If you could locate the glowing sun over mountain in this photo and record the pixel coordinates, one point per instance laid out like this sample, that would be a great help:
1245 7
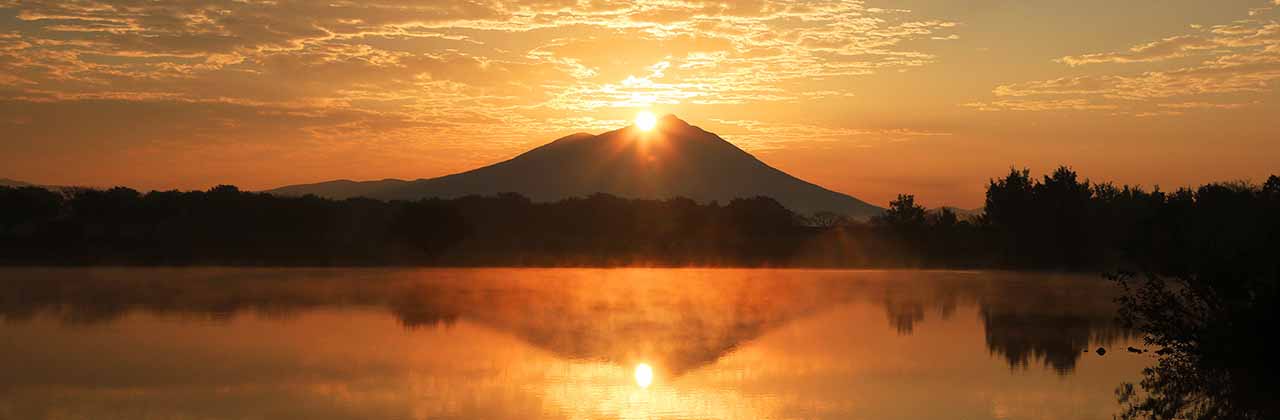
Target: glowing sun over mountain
645 121
691 163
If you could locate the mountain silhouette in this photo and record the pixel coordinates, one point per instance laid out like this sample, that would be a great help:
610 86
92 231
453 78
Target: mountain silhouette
6 182
673 160
962 214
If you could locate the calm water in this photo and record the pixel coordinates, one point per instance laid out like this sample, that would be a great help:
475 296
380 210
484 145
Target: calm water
571 343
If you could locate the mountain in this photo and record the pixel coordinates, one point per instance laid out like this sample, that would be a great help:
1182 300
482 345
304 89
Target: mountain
675 159
962 214
6 182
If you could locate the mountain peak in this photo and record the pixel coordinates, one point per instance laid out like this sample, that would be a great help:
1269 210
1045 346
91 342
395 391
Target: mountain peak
670 124
575 137
672 120
6 182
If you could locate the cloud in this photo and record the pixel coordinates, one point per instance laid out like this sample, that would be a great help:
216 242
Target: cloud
1251 74
1172 47
1087 85
759 135
512 62
1240 58
1039 105
1150 114
1203 105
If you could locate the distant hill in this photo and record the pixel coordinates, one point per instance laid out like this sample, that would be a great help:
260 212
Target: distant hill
342 188
676 159
962 214
6 182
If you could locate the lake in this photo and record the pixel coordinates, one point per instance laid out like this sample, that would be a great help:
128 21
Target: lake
223 343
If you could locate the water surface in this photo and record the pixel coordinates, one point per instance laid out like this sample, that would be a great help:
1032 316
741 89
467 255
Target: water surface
557 343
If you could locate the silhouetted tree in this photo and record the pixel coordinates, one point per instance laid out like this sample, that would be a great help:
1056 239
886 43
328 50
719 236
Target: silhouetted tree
1063 204
429 226
1208 293
28 205
1272 186
903 214
1009 200
944 219
1009 212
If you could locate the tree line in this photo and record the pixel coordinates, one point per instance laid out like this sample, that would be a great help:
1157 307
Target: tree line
225 225
1057 222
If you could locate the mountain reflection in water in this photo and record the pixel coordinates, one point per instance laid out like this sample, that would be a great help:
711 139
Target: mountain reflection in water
552 343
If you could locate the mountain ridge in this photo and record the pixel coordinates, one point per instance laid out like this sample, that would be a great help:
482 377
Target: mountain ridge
13 183
674 160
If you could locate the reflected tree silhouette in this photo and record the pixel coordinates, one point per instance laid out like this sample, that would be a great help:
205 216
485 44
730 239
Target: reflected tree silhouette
1214 359
1055 339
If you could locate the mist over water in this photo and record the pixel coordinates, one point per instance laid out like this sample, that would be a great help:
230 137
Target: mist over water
558 343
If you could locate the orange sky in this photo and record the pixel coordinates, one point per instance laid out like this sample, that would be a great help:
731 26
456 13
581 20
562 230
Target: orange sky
871 98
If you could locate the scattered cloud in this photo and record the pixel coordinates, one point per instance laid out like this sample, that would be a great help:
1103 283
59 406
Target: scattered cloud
768 135
518 64
1172 47
1039 105
1241 57
1203 105
1150 114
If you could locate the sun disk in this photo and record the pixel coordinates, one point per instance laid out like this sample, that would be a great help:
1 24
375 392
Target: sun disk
645 120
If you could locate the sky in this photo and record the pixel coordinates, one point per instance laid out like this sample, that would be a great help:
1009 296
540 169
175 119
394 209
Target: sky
869 98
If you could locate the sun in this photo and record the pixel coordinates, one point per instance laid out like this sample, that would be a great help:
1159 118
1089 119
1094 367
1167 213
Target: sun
644 375
645 120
